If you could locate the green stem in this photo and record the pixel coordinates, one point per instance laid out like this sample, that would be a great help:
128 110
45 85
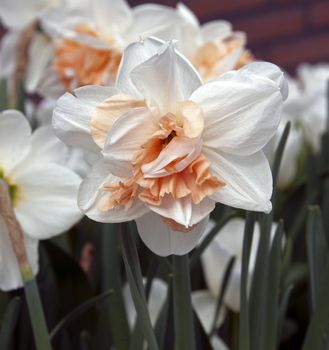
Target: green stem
183 312
111 279
38 321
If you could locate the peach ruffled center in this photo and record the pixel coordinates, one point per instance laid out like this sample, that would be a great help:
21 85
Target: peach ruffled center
169 163
209 55
78 64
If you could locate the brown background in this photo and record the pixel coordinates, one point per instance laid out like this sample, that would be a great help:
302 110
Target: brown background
285 32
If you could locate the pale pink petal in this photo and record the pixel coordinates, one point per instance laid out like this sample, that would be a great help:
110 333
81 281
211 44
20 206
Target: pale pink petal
128 133
91 194
162 240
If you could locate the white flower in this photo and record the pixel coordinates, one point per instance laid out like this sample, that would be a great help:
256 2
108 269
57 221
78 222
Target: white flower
315 81
86 46
228 243
171 146
213 48
42 191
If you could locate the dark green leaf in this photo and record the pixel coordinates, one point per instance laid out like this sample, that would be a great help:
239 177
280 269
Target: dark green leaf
9 322
135 280
244 327
183 311
77 312
317 251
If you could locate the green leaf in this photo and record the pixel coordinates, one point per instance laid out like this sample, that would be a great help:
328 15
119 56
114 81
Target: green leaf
244 326
183 311
283 310
3 94
209 237
37 317
318 330
257 301
278 155
272 292
78 311
9 322
111 279
317 251
135 280
224 284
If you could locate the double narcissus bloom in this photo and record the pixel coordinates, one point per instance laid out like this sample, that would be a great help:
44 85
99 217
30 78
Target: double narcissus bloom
170 146
42 190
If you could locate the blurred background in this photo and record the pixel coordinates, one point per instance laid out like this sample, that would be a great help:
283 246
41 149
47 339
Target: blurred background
285 32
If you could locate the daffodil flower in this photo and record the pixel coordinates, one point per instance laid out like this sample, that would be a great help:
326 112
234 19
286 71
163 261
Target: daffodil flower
43 192
213 48
172 147
84 46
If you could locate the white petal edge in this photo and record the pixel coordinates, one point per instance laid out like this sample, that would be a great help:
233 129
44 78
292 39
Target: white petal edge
91 193
162 240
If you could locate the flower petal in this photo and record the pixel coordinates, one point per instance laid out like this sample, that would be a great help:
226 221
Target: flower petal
8 53
270 71
166 78
152 20
216 30
41 51
183 210
20 13
91 194
10 277
162 240
127 135
15 139
204 305
46 199
248 180
112 16
72 115
133 55
242 112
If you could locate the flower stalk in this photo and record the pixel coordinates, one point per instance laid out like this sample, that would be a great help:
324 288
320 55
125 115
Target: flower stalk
30 287
183 312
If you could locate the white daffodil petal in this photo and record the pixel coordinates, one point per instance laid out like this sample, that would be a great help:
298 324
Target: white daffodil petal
72 115
126 137
8 53
186 149
166 78
20 13
241 112
183 210
205 306
41 51
152 20
133 55
15 138
46 199
162 240
248 180
112 16
10 277
216 30
91 194
271 71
